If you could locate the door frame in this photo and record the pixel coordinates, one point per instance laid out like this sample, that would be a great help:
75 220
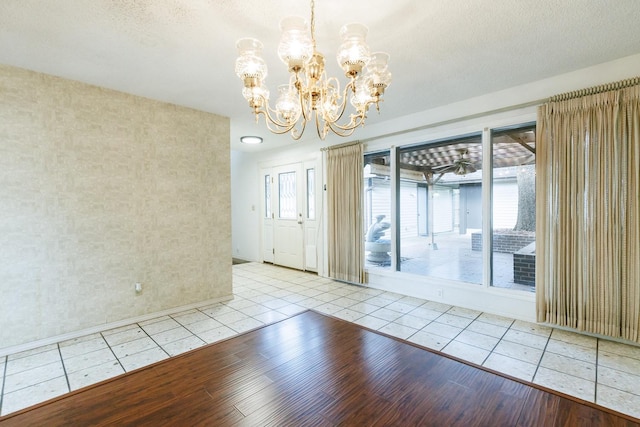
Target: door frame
312 228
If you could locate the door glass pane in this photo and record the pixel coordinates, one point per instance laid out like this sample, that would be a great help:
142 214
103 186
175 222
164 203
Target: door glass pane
287 195
514 208
441 209
267 196
311 194
377 210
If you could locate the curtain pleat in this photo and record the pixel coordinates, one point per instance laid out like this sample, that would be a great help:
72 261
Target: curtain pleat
588 238
344 204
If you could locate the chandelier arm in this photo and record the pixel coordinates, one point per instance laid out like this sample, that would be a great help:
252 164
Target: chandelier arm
343 134
267 111
268 119
279 129
347 128
355 121
306 115
322 134
341 131
295 80
377 102
343 103
296 134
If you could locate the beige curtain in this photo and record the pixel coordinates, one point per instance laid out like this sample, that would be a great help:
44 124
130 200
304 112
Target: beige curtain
344 204
588 211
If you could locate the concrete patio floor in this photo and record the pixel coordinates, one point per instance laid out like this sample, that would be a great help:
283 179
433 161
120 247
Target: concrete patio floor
452 258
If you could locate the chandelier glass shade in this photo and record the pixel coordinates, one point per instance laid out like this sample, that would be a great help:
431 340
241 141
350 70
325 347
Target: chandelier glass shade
310 95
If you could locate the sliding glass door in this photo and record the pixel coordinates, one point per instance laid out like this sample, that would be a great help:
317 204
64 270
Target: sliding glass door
514 208
435 197
440 209
377 210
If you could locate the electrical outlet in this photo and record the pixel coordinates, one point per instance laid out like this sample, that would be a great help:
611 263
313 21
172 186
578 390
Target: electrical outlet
138 287
439 293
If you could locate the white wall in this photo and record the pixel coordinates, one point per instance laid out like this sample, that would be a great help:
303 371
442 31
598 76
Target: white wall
512 106
245 206
99 190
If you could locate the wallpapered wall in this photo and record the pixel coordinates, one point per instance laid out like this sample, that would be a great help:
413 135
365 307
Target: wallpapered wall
100 190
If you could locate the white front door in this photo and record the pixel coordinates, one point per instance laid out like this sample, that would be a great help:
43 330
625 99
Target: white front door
291 211
288 216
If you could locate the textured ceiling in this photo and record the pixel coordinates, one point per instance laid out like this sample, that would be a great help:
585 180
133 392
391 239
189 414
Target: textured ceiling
183 51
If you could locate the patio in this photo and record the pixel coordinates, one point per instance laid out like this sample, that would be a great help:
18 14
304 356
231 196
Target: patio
452 258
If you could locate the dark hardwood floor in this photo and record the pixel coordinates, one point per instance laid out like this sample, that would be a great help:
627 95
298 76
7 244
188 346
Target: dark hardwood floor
313 370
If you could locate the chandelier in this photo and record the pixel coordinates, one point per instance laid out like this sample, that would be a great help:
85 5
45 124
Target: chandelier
310 94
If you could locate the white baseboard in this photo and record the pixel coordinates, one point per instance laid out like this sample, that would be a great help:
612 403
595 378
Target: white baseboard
104 327
503 302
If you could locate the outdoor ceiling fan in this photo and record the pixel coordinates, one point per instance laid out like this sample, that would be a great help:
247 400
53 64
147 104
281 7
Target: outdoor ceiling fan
461 166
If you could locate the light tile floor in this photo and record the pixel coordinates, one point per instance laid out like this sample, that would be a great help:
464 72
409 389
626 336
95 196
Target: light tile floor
596 370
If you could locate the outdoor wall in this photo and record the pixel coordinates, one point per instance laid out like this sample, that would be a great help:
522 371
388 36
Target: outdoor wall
100 190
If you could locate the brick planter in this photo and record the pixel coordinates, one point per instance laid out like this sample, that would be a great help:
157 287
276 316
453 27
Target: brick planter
508 242
524 265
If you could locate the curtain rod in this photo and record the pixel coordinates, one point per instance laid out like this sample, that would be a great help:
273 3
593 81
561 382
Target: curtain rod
346 144
596 89
457 119
560 97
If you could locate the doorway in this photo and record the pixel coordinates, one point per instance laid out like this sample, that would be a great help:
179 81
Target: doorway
290 215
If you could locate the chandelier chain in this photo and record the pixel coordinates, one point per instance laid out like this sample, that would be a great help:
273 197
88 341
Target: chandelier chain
313 24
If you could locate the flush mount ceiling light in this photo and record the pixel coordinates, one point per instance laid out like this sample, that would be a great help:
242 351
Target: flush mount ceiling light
251 140
310 93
